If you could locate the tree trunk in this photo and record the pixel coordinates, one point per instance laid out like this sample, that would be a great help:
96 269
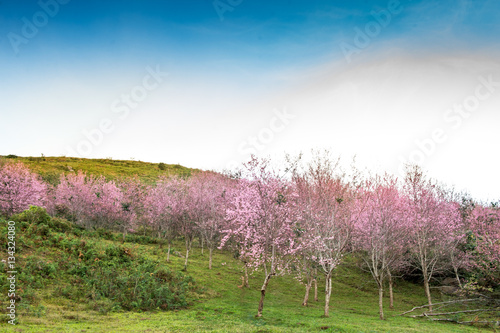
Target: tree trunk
168 253
262 295
246 276
427 290
308 287
124 235
186 260
381 301
210 258
187 255
202 246
328 293
315 284
391 295
457 277
315 289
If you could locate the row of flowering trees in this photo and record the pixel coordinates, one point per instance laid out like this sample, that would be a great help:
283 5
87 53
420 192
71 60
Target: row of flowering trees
301 220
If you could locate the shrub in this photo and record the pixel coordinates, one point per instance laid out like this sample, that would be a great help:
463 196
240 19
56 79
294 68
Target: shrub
107 277
42 222
61 225
141 286
34 214
37 267
104 233
118 253
51 178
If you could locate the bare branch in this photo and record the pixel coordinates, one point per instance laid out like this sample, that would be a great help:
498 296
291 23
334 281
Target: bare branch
425 314
448 302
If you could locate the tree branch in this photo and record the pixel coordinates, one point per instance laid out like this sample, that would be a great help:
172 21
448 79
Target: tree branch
425 314
449 302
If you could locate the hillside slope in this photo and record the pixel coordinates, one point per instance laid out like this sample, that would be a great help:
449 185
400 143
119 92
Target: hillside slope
51 167
72 280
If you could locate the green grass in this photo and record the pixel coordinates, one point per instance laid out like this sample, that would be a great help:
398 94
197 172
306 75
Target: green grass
224 307
51 167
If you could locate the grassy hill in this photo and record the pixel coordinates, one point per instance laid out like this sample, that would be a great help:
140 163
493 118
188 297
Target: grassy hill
51 167
73 280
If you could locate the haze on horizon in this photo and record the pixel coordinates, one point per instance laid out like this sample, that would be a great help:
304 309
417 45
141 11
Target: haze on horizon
207 83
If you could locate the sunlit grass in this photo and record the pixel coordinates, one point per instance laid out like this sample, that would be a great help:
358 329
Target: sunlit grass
51 167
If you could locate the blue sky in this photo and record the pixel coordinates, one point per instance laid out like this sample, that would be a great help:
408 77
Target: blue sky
255 34
234 66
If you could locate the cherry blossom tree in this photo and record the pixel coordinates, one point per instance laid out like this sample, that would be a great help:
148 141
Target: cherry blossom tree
326 205
133 209
108 208
73 198
380 233
484 227
433 225
184 213
208 200
88 200
307 270
233 239
262 217
161 209
173 212
20 188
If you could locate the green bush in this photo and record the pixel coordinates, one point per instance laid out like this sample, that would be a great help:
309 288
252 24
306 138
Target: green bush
43 230
79 270
141 239
107 277
41 222
140 286
119 253
62 225
35 215
104 233
36 267
51 178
